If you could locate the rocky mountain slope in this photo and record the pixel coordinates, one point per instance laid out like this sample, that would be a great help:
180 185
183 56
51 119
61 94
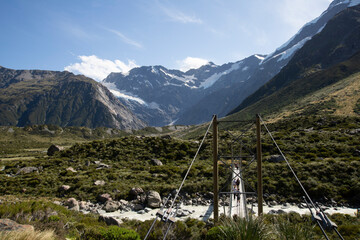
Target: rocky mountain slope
59 98
161 96
325 66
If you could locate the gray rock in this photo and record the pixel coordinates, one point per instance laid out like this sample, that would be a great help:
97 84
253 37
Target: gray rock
123 202
110 220
64 188
103 198
53 149
83 205
71 169
99 183
147 209
111 206
10 225
153 199
57 203
276 211
138 207
135 192
156 162
141 212
102 166
72 204
27 170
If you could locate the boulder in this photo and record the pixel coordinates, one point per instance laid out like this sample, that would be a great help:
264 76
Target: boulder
135 192
72 204
101 165
71 169
156 162
103 198
10 225
111 206
99 183
138 207
110 220
83 205
27 170
53 149
153 199
64 188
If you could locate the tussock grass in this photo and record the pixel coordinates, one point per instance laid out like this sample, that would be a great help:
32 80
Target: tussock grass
27 235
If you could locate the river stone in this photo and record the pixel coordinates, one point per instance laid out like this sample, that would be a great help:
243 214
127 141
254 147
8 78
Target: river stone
111 206
104 198
153 199
135 192
72 204
138 207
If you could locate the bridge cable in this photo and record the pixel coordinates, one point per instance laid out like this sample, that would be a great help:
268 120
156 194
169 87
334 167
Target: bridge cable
320 215
287 162
182 183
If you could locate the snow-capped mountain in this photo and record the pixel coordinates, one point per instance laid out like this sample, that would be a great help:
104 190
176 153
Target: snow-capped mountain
161 96
225 100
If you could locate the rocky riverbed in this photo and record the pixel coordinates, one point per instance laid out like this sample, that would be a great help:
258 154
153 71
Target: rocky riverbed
144 206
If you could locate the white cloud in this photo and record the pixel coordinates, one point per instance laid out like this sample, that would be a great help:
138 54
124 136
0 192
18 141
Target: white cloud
178 16
124 38
97 68
191 63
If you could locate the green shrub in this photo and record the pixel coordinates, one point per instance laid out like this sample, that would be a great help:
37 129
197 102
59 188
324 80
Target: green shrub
117 233
350 231
54 218
214 233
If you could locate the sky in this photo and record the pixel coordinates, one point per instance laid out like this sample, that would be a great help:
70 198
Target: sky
96 37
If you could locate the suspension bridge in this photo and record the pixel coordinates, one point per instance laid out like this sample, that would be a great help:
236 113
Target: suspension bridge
237 194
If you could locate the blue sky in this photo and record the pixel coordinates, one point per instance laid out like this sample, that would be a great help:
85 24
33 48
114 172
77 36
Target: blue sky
95 37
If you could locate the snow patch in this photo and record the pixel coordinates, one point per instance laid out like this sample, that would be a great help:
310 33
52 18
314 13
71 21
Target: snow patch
154 70
122 94
213 78
290 52
259 57
245 68
186 79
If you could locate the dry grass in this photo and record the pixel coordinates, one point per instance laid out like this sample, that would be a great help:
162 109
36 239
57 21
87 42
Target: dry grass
27 235
345 93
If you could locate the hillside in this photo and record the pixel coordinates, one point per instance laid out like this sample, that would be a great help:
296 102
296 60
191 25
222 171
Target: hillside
330 56
60 98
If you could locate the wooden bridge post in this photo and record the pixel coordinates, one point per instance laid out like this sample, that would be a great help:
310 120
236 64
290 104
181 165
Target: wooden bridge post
215 170
259 166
